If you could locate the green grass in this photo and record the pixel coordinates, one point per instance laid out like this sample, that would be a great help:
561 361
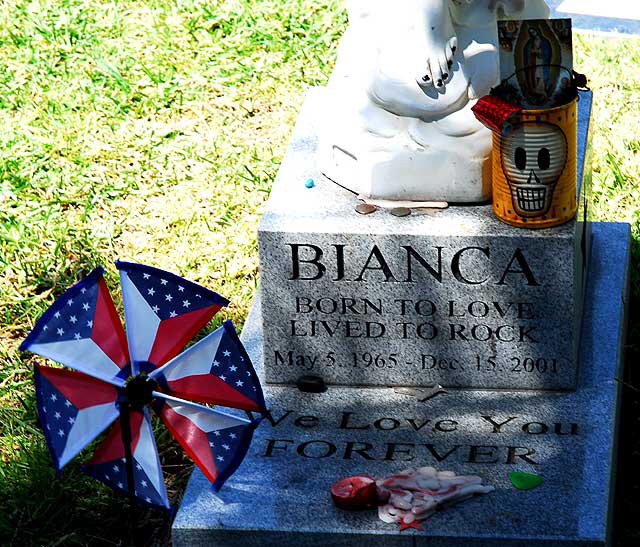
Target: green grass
149 131
152 130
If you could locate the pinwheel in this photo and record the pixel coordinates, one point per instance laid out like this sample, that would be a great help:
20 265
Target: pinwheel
119 376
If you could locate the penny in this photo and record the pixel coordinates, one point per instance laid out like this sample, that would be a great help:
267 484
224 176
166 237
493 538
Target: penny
400 211
365 208
311 384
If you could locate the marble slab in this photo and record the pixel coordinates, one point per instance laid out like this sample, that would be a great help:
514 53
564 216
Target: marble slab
280 493
452 297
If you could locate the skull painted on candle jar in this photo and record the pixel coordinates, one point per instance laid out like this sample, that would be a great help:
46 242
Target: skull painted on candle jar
533 158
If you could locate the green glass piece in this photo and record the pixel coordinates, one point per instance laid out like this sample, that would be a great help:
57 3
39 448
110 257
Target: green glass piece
525 481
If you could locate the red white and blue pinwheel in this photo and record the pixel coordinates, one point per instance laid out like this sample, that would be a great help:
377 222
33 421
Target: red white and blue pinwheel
118 376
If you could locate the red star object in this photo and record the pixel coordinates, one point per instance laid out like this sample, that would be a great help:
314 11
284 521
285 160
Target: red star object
415 524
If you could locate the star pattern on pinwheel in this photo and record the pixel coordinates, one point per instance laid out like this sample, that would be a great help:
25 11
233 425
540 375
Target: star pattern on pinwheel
114 378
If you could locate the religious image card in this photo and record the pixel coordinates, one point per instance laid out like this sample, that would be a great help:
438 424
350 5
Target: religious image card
536 61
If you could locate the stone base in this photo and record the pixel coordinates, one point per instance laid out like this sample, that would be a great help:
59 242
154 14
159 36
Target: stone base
280 494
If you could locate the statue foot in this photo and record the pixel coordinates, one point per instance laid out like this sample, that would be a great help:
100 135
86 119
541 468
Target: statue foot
438 68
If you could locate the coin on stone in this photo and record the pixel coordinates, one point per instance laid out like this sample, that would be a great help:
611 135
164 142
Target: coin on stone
365 208
400 211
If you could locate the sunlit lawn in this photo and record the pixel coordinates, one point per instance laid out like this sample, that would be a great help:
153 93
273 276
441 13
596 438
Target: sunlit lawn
151 130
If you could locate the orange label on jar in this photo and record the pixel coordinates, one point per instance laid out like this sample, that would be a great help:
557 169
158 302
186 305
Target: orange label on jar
534 168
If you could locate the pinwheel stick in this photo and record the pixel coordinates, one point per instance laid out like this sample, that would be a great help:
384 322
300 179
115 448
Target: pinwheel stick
125 414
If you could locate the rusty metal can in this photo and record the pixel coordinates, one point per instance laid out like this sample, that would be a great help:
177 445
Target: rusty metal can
534 168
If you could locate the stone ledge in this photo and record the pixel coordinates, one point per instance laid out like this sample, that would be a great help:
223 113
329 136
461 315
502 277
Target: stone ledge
280 494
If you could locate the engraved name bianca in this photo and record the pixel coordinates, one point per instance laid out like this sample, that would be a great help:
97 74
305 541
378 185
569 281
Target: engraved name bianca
312 262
